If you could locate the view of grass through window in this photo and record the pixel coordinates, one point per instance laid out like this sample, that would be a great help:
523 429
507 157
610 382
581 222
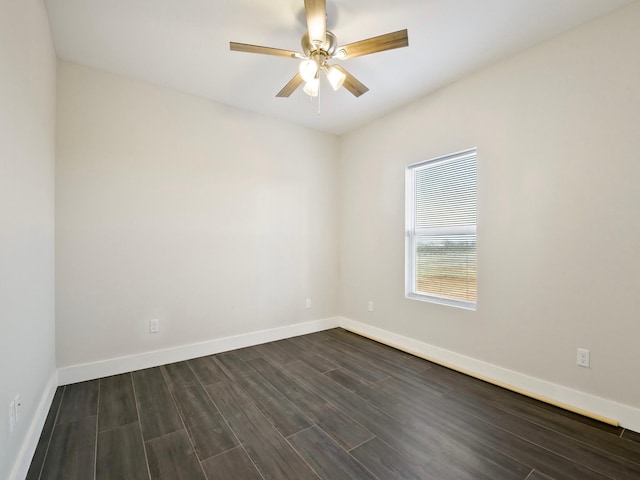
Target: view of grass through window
446 266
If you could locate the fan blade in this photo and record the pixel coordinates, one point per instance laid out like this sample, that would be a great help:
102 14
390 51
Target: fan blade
381 43
351 83
316 11
278 52
290 87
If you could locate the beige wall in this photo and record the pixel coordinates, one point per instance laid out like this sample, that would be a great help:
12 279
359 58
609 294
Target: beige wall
215 221
557 130
27 135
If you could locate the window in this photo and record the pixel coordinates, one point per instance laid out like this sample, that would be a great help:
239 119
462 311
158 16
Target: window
441 230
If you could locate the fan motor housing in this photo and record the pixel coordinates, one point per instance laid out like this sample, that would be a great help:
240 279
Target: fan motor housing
328 48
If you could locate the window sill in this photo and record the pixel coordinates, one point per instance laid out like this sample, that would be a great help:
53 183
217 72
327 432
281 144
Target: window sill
442 301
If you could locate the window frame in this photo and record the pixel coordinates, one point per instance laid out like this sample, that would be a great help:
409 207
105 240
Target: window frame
412 233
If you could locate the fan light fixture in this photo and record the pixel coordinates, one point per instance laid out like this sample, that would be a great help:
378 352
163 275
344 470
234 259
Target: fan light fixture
310 72
308 69
312 87
319 45
336 77
316 60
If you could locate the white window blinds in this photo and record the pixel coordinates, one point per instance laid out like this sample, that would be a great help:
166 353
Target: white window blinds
441 229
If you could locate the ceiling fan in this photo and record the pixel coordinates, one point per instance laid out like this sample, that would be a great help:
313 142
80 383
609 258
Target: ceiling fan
319 46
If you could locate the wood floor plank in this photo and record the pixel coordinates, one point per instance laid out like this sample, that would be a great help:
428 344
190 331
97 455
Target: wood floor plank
234 464
605 427
492 394
318 362
158 413
117 403
207 370
248 353
538 412
472 467
535 475
284 416
327 458
631 436
389 357
286 351
386 462
276 352
121 454
344 359
415 385
437 378
341 427
579 452
525 452
347 379
459 455
441 414
45 437
232 365
392 432
71 454
516 405
178 375
579 431
207 429
508 450
80 400
422 444
171 457
269 451
493 397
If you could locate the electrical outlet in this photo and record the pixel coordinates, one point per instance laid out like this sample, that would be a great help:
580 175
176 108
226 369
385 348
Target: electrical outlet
154 326
583 357
12 416
308 303
370 306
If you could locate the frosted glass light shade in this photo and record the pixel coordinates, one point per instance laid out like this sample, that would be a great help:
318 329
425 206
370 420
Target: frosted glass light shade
308 69
312 86
336 77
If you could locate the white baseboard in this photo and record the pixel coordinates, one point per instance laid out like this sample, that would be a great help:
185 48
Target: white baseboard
565 397
28 448
114 366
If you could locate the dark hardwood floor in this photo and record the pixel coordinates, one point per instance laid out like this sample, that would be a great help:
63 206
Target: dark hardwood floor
330 405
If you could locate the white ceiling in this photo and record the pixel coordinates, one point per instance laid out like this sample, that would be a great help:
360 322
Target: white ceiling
184 44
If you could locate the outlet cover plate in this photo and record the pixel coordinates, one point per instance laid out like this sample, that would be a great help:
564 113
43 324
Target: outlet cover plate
154 326
583 358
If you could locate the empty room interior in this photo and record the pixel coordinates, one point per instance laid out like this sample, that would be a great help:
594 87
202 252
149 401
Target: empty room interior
217 265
